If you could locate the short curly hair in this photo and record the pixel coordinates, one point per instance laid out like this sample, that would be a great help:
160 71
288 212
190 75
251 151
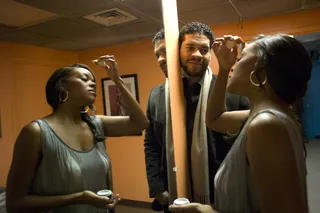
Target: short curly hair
196 28
158 36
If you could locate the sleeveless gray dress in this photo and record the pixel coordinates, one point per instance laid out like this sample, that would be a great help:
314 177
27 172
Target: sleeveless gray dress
234 188
63 170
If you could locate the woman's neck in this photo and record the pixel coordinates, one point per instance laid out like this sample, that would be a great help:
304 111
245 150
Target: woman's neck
264 102
68 115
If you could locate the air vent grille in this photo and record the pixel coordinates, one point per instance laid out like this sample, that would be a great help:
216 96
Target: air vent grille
111 17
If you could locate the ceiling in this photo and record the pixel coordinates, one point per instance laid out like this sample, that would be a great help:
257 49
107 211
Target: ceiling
61 24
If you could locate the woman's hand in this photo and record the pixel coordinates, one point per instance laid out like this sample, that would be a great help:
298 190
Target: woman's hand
226 51
102 202
192 208
110 64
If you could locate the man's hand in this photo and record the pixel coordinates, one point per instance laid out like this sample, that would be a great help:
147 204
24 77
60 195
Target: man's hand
163 198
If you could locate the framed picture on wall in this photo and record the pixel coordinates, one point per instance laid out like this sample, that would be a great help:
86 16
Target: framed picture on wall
113 100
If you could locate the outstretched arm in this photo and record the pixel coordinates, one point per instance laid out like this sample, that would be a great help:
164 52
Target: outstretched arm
217 118
136 121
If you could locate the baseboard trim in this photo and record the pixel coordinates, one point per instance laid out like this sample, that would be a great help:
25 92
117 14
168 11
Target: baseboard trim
135 203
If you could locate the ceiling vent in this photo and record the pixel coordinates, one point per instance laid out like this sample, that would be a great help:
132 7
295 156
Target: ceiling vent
111 17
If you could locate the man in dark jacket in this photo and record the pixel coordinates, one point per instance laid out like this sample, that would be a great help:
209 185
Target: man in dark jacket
195 44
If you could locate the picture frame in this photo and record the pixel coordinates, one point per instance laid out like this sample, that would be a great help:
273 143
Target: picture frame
112 98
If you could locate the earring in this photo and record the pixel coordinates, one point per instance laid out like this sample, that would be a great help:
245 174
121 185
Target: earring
255 84
86 110
65 99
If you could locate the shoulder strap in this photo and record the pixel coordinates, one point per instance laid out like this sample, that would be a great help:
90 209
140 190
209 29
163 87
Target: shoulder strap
98 123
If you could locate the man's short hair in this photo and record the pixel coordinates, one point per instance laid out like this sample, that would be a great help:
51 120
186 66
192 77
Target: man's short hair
159 36
196 28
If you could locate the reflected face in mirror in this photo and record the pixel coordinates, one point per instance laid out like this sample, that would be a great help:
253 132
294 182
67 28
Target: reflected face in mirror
195 54
160 52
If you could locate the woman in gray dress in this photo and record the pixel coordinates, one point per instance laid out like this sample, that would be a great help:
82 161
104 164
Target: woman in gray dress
60 161
265 169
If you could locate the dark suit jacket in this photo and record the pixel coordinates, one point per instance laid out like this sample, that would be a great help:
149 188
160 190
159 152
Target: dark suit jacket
155 136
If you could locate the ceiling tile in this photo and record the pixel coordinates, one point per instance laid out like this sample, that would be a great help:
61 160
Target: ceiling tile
260 8
64 7
312 2
115 4
143 29
69 30
68 45
97 38
20 36
88 22
114 40
219 14
62 28
22 15
79 16
187 5
4 30
152 9
122 34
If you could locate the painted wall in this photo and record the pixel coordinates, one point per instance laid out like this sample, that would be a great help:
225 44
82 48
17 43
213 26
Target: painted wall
24 72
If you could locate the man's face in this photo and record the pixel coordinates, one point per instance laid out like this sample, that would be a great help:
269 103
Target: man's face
160 52
195 54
